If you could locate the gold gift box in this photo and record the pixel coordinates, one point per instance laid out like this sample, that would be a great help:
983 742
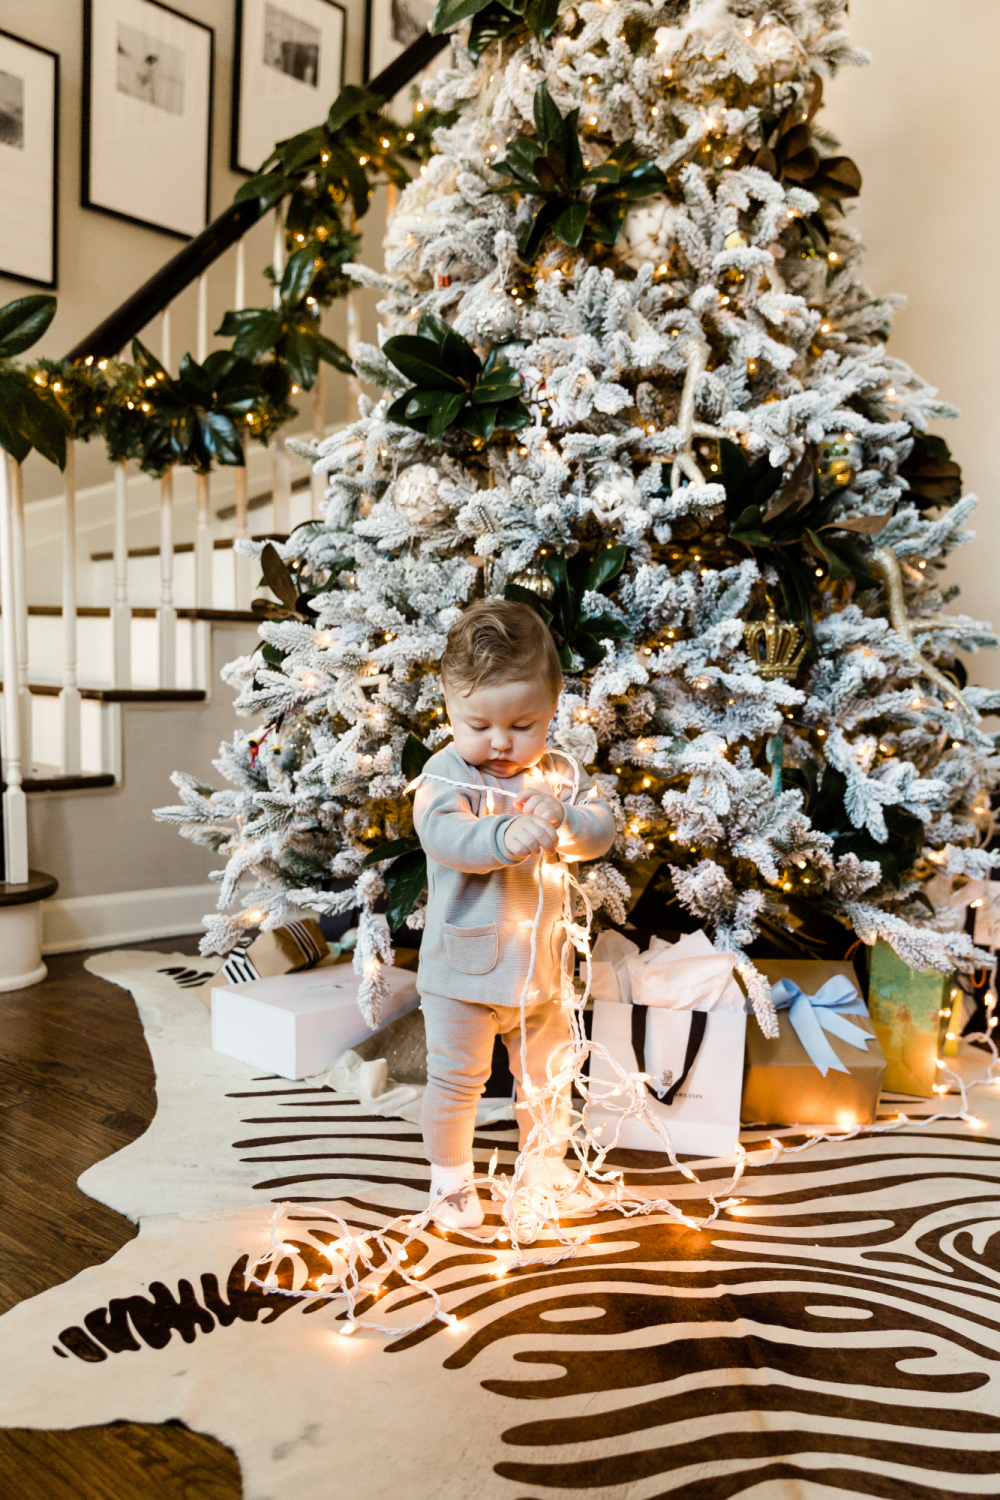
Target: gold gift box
781 1083
280 952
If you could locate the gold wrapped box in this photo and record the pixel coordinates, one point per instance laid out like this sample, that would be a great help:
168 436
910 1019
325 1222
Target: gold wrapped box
911 1011
781 1083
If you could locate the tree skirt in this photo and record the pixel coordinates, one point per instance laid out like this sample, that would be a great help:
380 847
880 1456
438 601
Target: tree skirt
839 1337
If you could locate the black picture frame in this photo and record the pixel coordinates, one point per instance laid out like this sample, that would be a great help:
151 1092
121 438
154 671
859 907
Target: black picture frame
383 20
280 128
50 282
87 199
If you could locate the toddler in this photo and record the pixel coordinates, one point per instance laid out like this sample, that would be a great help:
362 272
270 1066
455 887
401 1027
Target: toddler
501 677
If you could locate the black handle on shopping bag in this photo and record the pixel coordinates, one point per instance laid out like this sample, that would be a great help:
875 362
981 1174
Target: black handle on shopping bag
696 1035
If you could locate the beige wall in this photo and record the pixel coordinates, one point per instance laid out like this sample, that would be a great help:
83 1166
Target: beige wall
103 260
920 123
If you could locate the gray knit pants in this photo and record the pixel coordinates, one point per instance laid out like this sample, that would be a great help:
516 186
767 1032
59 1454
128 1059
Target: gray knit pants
460 1036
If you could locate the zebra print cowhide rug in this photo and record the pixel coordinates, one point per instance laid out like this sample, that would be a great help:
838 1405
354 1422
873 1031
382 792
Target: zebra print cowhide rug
837 1335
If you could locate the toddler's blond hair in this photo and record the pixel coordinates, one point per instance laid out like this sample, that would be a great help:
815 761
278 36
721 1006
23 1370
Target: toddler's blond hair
499 640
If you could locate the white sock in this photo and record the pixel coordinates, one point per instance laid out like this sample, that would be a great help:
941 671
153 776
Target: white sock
460 1207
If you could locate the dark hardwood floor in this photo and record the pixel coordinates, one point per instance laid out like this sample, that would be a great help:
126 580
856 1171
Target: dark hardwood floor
76 1084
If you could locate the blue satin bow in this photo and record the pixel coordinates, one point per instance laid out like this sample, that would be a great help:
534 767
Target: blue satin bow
811 1015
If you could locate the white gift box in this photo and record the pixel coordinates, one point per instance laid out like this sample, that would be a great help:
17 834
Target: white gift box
652 1010
296 1025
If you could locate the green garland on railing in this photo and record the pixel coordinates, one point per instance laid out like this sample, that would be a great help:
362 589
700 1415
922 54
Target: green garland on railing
202 416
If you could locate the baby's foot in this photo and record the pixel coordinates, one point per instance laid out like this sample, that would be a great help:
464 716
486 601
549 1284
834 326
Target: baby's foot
454 1201
558 1181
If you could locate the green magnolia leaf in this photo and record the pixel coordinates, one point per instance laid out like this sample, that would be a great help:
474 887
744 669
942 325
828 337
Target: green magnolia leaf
479 421
23 321
391 849
449 12
606 565
299 351
300 149
44 425
254 330
298 277
420 360
588 647
490 25
837 567
226 443
531 241
444 416
601 626
541 16
414 757
349 103
424 403
548 121
520 595
333 354
406 881
570 224
511 416
11 437
457 354
268 188
278 577
499 383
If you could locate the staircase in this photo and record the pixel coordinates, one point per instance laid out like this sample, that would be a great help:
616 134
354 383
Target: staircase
119 605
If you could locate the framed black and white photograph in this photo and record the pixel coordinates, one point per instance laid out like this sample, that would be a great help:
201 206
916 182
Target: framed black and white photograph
289 68
29 161
391 26
147 114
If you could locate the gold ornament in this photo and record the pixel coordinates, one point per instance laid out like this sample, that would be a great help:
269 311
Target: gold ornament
538 582
775 646
837 464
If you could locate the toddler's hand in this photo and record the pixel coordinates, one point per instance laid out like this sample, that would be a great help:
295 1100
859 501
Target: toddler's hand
527 835
542 805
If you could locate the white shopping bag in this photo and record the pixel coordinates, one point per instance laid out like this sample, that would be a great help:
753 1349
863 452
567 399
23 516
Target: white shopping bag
689 1037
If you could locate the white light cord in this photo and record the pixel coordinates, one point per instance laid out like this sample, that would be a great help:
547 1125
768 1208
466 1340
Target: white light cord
529 1211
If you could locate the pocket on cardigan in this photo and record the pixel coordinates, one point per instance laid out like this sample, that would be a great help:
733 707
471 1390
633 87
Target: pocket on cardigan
472 950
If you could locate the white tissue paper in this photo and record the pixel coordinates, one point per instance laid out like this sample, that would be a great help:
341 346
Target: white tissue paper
686 975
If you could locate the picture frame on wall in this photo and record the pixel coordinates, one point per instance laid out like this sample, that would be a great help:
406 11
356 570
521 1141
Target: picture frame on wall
288 69
29 161
390 27
148 78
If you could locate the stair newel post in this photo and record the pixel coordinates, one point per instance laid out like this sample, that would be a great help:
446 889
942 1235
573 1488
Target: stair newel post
21 611
317 482
203 548
166 615
121 613
69 698
15 807
281 469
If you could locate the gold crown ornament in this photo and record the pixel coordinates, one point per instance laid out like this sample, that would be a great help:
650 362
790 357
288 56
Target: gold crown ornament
775 646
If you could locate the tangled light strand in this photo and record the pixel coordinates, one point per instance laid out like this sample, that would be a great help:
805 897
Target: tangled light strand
529 1210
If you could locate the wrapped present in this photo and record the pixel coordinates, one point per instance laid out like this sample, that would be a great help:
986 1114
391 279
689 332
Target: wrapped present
911 1012
676 1014
284 950
826 1066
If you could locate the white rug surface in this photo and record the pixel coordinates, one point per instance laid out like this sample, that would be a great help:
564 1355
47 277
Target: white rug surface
838 1336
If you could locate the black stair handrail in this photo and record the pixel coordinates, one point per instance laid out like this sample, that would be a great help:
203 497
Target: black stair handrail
156 294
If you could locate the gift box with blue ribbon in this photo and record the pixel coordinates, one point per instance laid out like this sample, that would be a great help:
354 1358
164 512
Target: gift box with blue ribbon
826 1066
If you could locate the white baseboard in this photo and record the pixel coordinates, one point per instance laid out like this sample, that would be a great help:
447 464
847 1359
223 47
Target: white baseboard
124 917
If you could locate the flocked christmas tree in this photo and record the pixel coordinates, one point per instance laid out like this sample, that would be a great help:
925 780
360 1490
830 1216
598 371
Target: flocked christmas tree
629 372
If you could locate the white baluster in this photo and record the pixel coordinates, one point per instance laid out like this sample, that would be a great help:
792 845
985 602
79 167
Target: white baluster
243 567
203 549
121 613
69 698
21 612
240 299
165 339
15 806
202 318
281 470
317 482
352 312
166 615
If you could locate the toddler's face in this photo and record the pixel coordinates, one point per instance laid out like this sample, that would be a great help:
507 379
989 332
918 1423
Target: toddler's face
502 727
